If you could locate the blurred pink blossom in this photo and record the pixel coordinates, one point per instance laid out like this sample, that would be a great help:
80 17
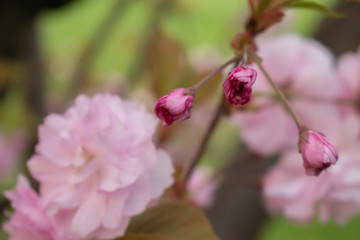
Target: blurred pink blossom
304 70
97 166
11 149
287 190
317 152
202 187
348 69
238 85
335 194
174 107
29 221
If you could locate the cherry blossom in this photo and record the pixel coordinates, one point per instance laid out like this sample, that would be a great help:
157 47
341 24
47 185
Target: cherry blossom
202 187
97 166
29 221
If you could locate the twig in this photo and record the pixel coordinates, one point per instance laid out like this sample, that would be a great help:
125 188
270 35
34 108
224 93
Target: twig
192 90
278 92
159 7
204 142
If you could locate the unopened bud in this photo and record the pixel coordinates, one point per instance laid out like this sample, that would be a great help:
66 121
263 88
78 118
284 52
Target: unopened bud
318 154
174 107
238 86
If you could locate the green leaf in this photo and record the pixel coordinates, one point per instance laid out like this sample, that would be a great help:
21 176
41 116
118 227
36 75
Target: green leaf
145 237
317 7
176 221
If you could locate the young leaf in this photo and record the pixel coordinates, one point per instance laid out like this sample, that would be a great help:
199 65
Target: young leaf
317 7
176 221
166 64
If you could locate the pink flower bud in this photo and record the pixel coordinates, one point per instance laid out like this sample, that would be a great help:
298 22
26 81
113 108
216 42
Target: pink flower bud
174 107
318 154
238 85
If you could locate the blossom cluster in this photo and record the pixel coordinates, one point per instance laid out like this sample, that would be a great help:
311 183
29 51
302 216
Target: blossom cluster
323 93
97 167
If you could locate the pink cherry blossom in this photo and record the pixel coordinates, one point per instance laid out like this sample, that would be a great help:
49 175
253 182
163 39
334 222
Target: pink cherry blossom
342 201
304 70
202 187
317 152
238 85
335 194
287 190
174 107
348 70
97 166
29 221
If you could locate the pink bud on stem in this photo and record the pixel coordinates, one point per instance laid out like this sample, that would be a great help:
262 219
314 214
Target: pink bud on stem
238 86
174 107
317 152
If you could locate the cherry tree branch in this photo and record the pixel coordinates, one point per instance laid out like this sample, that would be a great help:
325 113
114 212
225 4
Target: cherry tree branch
186 174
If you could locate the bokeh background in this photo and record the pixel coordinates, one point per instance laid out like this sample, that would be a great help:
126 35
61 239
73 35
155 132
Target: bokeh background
50 51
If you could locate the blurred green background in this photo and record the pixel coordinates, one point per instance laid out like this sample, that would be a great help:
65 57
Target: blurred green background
65 32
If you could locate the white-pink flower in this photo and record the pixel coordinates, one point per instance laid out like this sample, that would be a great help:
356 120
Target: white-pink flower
335 194
202 187
97 166
304 70
29 221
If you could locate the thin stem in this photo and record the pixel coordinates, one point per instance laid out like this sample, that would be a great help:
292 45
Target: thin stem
35 85
192 90
279 93
204 142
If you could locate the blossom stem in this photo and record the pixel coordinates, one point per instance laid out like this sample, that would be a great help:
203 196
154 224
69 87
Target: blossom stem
192 90
186 174
278 92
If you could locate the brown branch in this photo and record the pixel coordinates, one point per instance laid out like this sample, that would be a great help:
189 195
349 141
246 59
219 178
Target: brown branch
159 8
35 86
204 142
